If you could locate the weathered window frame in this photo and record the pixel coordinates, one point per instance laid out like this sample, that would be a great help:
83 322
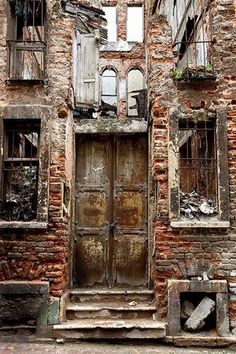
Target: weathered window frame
192 41
222 218
26 50
127 24
41 220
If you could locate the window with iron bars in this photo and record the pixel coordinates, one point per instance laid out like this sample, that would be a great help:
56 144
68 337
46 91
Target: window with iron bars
26 40
192 40
198 169
19 187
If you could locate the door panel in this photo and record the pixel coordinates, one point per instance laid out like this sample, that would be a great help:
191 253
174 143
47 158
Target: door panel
92 208
91 259
131 160
130 211
92 211
92 161
130 259
111 211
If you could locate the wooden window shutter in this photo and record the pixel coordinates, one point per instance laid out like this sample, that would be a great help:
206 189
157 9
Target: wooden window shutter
87 90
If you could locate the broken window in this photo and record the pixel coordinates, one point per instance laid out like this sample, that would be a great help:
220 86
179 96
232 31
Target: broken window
197 164
198 169
26 44
134 30
192 40
109 92
111 17
136 93
20 171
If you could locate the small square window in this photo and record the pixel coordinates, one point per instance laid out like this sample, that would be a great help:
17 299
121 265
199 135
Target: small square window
20 171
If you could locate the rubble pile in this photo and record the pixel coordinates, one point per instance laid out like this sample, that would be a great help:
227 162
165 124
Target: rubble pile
195 316
192 206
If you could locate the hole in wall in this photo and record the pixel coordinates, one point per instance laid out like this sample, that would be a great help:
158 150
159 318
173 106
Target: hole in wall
201 320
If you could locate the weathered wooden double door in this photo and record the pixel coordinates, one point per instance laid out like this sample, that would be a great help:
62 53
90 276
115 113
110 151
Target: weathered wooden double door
111 244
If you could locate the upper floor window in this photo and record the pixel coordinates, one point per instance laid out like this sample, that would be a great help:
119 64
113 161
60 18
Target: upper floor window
109 91
191 30
134 24
111 17
26 40
136 94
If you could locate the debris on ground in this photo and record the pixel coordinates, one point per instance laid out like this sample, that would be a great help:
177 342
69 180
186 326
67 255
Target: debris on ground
197 319
192 206
187 309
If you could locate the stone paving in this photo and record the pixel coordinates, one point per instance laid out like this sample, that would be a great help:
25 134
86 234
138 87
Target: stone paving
103 348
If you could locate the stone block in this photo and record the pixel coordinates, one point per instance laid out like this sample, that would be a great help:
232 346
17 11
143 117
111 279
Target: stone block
202 311
53 311
222 315
187 309
23 302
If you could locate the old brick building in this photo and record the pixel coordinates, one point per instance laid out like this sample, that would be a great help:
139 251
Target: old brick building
117 206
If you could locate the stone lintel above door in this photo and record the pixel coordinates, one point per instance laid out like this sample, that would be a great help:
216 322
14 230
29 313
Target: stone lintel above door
107 125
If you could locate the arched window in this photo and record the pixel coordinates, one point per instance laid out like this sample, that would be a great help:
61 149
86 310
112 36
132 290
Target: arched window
135 92
109 90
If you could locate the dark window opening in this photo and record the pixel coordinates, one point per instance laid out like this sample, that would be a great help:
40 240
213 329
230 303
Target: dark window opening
189 303
26 44
187 35
197 163
20 171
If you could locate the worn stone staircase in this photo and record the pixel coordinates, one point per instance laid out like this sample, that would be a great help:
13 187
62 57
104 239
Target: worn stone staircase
109 314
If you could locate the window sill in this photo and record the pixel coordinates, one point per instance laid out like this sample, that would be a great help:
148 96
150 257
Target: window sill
206 223
23 225
19 82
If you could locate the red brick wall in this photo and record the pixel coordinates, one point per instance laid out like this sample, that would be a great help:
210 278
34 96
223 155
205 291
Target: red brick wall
31 254
181 252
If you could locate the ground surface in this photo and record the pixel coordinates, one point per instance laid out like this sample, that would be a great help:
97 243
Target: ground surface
103 348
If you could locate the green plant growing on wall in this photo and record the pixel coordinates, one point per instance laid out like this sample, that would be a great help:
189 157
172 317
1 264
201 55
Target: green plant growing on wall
209 68
177 74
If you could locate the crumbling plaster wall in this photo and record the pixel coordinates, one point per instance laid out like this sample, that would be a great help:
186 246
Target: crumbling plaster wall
186 252
43 254
125 59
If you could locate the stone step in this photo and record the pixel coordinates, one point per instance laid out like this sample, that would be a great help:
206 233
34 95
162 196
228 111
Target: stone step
110 295
110 306
110 310
91 328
